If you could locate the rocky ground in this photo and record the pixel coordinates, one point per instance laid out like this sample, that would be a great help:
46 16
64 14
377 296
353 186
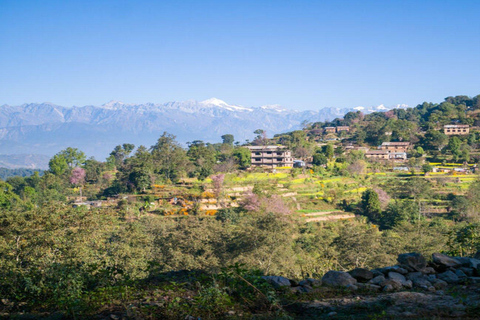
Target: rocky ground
447 287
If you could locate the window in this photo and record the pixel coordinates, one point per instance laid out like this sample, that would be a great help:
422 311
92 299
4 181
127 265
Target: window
257 159
257 153
279 159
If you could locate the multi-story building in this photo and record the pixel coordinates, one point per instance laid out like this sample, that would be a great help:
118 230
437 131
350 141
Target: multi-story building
395 146
343 128
271 156
385 155
452 129
377 154
330 129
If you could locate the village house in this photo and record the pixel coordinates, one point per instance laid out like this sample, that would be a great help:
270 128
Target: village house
271 156
395 146
330 129
343 128
453 129
376 154
385 155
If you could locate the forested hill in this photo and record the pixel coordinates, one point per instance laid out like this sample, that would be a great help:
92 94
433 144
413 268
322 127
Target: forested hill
421 125
410 123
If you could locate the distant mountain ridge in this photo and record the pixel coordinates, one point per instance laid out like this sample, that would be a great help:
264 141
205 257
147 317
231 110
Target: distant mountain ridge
45 128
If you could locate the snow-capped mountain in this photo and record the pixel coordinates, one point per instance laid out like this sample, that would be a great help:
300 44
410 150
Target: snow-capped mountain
46 128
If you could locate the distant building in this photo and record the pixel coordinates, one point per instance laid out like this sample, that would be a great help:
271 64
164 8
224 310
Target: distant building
385 155
395 146
343 128
330 129
453 129
271 156
377 154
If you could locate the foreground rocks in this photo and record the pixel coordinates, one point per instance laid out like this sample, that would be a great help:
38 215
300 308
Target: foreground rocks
391 287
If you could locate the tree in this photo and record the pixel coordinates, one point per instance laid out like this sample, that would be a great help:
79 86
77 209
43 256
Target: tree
319 159
435 140
121 152
426 168
73 157
58 165
370 205
228 139
329 151
77 178
169 158
454 145
242 156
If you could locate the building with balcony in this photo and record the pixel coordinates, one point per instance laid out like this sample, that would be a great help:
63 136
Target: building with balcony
271 156
453 129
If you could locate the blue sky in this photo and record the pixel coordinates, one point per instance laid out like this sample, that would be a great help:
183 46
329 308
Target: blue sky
300 54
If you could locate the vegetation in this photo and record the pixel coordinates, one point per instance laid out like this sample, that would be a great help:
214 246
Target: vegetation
168 232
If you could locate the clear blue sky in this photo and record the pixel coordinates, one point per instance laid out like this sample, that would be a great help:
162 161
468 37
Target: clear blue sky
300 54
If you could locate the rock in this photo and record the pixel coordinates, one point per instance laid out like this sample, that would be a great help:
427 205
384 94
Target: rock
440 284
460 274
338 279
376 273
421 283
372 287
396 284
412 260
429 270
377 280
396 269
431 277
396 276
332 314
414 275
469 262
468 271
408 284
352 287
445 261
277 281
475 280
388 288
301 289
449 277
311 282
361 274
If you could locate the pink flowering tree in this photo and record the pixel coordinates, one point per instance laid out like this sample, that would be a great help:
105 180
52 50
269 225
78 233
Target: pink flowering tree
77 178
217 182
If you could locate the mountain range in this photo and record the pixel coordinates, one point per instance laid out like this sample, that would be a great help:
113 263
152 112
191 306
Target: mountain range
45 128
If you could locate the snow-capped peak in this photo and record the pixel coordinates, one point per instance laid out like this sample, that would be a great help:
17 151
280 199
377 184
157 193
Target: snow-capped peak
274 107
222 104
215 102
113 104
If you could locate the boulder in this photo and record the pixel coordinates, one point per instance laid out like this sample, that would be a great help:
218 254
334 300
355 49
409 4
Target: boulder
396 269
397 285
277 281
460 274
449 277
414 275
396 276
338 279
468 271
440 284
361 274
412 260
445 261
421 282
377 280
311 282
